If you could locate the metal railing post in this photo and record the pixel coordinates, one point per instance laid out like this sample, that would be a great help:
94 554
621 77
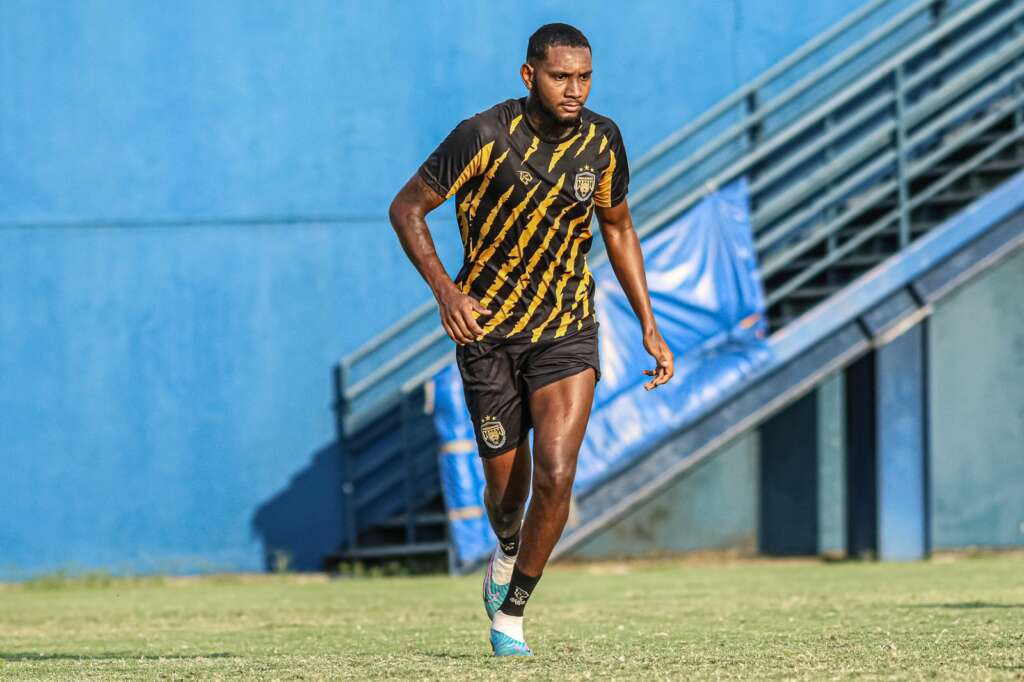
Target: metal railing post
754 129
832 211
1018 86
348 499
901 155
407 465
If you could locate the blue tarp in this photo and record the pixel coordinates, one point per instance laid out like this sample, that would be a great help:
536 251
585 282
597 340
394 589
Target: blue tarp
709 304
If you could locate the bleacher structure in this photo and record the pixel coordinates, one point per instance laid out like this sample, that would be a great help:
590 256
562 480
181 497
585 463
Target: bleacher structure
862 151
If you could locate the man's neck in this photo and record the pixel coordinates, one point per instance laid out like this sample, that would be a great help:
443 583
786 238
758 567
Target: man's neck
544 123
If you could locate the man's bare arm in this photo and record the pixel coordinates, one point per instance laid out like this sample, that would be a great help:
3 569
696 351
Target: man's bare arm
408 214
628 264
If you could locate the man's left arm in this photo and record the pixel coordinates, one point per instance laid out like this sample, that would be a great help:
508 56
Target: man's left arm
628 264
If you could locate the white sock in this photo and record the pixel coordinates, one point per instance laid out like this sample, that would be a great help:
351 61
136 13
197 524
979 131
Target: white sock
503 565
509 625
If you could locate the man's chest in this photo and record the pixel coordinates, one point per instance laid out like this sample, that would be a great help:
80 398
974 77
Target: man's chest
563 173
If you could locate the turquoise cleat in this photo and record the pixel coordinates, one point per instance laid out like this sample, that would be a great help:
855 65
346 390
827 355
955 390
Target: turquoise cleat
503 645
494 594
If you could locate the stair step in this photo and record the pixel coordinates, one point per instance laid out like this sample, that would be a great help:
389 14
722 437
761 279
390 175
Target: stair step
777 323
394 551
812 293
422 519
997 166
916 227
943 198
865 261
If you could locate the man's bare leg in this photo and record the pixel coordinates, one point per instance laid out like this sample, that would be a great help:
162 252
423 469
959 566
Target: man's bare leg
505 495
508 487
561 411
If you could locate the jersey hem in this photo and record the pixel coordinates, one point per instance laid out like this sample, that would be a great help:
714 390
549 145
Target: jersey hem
523 339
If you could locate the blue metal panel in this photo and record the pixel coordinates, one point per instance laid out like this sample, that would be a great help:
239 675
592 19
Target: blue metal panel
832 500
976 403
899 367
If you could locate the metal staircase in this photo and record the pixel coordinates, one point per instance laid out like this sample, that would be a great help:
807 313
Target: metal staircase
855 146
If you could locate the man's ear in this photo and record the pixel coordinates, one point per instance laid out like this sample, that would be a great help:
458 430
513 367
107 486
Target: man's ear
526 73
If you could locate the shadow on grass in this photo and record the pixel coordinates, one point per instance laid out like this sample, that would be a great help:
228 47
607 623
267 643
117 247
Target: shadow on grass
967 605
108 656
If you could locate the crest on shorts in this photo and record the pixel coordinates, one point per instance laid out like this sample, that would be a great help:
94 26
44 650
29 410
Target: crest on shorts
492 431
584 183
525 177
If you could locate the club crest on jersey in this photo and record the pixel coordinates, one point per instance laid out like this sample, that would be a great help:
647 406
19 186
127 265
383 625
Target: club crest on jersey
584 183
525 177
492 432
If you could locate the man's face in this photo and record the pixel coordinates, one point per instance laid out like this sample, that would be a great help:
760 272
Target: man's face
561 83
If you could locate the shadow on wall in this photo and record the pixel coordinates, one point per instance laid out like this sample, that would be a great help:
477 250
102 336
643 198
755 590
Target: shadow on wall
301 524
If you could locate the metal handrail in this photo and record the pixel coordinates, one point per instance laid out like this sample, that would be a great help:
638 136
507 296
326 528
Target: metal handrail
769 267
872 109
778 206
818 75
764 149
386 335
890 217
770 146
739 96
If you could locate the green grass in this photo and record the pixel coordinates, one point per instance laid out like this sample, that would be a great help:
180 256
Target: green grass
945 618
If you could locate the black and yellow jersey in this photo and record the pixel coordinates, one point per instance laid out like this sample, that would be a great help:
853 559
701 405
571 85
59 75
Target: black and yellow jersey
524 204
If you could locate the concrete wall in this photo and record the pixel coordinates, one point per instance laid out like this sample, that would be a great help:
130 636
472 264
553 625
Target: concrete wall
714 506
976 396
191 234
783 488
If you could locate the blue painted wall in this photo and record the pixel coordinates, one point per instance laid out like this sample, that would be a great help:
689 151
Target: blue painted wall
191 235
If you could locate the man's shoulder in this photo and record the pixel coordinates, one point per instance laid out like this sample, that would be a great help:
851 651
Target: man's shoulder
605 124
489 123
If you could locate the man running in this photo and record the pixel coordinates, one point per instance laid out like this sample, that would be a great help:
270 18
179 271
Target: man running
527 175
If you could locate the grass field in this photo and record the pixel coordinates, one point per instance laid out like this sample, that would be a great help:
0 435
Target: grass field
957 617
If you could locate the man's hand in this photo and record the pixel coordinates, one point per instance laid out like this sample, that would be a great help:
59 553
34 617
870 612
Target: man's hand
458 315
658 349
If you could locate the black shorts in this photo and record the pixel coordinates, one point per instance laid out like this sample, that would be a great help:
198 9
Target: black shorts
498 378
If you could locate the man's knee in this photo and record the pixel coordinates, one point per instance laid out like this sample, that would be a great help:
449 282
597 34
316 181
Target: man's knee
505 522
553 481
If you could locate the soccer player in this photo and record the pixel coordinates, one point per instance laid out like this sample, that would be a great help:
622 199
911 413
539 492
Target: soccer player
527 175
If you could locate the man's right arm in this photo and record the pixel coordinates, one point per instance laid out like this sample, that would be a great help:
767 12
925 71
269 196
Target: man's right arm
408 214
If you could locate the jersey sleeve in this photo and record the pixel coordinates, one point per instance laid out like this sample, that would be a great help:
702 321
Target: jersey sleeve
613 185
460 157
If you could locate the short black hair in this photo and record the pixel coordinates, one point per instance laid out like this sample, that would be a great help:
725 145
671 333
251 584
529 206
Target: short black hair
553 35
